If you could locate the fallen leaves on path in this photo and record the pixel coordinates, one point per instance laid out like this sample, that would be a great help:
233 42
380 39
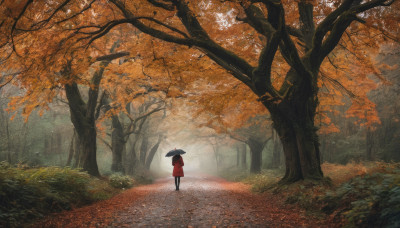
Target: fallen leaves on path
201 202
96 215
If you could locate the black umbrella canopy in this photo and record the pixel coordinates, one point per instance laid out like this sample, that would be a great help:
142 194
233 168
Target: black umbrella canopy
175 152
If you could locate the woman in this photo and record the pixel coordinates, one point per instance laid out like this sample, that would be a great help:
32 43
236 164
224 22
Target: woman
177 162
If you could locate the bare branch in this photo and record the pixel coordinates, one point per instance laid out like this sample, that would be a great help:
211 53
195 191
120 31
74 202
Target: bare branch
166 6
105 142
338 85
10 79
113 56
16 21
165 25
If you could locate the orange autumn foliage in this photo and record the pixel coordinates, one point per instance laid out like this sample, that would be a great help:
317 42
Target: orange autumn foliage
41 55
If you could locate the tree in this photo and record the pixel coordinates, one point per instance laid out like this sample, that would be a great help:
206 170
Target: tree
293 106
83 114
46 72
121 133
288 42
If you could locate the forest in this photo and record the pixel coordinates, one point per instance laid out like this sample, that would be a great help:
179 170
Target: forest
289 106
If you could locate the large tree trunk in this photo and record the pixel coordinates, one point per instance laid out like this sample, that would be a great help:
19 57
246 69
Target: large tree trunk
256 148
87 146
300 143
117 145
84 124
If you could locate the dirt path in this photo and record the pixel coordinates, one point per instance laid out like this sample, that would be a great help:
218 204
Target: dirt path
201 202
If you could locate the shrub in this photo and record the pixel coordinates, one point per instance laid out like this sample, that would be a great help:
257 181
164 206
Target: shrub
369 200
118 180
28 193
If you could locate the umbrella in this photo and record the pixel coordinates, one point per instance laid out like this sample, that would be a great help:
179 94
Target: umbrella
175 152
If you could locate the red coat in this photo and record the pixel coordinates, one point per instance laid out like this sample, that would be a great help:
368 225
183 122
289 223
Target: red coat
178 171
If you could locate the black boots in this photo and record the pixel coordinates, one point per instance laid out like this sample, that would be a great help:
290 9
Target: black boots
177 182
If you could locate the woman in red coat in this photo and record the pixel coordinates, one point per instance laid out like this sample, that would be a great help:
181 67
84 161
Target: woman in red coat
177 162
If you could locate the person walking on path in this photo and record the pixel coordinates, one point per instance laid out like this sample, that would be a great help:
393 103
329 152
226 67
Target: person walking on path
177 162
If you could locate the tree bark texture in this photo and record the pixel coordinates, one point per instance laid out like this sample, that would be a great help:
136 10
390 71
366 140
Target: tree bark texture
299 140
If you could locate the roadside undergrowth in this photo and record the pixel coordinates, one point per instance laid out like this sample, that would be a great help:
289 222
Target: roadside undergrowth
28 193
356 194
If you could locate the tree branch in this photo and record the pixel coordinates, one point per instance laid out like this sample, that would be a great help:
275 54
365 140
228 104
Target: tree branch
100 104
199 37
307 27
325 26
203 41
113 56
135 120
16 21
237 139
97 76
256 19
148 30
105 142
166 6
231 69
